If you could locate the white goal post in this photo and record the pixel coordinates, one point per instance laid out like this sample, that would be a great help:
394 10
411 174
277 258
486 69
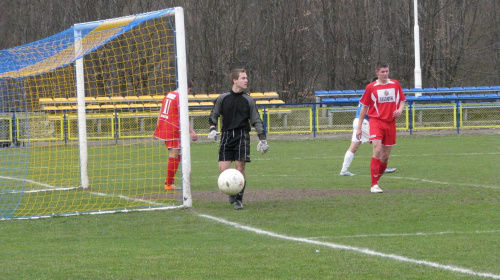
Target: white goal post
183 106
91 96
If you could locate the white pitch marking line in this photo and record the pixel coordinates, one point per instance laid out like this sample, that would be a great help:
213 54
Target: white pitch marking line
27 180
408 234
365 156
449 154
123 197
49 187
443 183
360 250
54 188
94 193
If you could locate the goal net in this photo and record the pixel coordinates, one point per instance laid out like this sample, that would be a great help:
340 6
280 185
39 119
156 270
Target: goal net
78 111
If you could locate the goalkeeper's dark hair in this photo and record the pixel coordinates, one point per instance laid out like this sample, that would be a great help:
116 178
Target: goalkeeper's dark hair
235 74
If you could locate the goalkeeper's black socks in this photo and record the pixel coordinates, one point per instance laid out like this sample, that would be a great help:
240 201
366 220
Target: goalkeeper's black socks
239 196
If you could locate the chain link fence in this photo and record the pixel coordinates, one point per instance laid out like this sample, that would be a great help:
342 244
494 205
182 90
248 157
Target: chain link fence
278 119
434 116
480 115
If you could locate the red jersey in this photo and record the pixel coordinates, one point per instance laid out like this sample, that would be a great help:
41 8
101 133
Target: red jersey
383 100
168 124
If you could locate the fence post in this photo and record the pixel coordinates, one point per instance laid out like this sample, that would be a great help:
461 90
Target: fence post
314 120
14 130
410 116
115 126
65 127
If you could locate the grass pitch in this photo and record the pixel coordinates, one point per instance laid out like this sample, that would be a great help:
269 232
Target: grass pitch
437 219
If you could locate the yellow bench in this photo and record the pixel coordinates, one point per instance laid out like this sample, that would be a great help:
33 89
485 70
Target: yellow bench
145 101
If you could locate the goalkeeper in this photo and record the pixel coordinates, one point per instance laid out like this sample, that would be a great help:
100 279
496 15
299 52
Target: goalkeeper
238 111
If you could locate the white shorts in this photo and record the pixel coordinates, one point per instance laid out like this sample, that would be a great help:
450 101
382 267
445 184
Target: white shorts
365 137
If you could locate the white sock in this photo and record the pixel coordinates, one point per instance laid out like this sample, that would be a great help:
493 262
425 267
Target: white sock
347 160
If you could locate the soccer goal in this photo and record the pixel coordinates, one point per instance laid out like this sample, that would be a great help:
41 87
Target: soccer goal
78 111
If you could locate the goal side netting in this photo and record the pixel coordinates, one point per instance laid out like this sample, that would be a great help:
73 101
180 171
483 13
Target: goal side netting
78 111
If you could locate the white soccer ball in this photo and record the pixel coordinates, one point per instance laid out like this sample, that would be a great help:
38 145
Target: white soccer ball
231 181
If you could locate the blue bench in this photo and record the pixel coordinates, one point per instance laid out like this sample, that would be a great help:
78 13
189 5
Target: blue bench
439 90
486 93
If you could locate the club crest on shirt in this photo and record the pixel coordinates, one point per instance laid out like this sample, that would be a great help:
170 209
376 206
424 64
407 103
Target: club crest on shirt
386 95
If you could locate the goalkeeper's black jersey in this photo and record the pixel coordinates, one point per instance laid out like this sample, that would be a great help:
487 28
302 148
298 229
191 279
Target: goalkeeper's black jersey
238 111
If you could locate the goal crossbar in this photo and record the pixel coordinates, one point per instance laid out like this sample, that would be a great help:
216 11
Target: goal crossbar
134 55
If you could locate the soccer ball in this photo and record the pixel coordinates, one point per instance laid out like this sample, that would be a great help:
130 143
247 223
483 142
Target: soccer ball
231 181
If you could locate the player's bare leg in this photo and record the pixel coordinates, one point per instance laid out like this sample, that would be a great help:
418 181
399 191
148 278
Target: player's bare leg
223 165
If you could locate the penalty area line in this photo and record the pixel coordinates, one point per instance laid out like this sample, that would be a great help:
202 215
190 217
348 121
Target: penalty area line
355 249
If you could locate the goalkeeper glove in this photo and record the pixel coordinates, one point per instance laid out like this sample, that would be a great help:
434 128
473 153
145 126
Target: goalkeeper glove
262 147
213 133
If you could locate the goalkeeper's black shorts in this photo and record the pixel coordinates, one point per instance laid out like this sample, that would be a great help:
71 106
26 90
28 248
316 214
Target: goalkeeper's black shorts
234 145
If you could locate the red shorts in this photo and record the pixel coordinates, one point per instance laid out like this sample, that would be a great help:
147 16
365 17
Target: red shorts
384 131
173 144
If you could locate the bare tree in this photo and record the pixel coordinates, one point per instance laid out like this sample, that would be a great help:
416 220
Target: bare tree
298 46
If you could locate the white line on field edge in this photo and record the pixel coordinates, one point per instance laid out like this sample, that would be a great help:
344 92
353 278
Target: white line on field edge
50 187
53 188
408 234
441 183
320 243
350 248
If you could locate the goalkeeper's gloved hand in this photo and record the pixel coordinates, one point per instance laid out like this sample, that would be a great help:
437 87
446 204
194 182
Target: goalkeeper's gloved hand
262 147
213 133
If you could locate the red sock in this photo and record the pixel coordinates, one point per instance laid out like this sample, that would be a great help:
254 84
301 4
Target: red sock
173 164
374 168
381 169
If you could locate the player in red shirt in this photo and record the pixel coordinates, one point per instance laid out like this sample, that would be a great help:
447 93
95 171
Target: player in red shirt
384 102
168 130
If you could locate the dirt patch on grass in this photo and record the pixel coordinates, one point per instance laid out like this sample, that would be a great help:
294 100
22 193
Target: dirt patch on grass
267 195
284 194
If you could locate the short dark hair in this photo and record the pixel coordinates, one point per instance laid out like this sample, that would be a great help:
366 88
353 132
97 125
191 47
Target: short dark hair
235 74
382 65
190 84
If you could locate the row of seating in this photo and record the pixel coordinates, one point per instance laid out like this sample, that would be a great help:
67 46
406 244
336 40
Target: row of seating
258 102
435 97
269 94
256 95
144 102
439 90
145 98
103 107
144 105
100 99
455 96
